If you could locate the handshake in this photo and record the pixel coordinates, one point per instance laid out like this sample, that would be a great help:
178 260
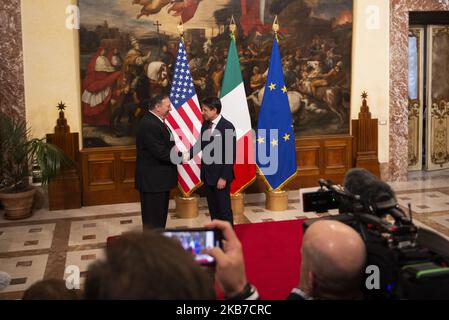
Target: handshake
185 156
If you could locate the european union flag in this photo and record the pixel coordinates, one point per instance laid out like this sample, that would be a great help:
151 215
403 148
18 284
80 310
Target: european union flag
275 145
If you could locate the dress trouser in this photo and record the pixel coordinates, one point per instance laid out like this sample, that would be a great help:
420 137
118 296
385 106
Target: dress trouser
219 202
154 207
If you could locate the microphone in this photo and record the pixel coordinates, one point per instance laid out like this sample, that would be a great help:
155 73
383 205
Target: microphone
367 186
338 189
357 179
376 193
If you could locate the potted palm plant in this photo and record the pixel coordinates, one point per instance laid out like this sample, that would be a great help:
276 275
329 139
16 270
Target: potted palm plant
17 151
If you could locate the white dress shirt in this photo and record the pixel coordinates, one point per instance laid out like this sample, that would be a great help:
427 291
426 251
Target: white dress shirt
215 122
162 120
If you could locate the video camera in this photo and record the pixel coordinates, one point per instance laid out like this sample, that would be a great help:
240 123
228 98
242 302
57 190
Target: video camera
413 262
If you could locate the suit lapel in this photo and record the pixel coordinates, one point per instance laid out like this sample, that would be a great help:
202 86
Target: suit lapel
165 130
219 126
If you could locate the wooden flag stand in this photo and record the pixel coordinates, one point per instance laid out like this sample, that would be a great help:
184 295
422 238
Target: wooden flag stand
277 200
187 207
238 204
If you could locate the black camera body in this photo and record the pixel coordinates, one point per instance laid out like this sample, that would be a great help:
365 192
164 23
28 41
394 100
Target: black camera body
413 262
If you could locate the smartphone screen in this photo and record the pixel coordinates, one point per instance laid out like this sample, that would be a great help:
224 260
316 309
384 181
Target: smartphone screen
196 240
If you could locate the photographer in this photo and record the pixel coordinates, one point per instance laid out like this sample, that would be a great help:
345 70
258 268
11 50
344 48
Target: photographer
147 266
151 266
411 262
230 267
333 257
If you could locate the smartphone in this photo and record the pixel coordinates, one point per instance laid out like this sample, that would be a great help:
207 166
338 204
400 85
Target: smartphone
195 240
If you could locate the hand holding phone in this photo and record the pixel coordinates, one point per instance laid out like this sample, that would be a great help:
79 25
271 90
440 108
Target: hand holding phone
197 241
229 265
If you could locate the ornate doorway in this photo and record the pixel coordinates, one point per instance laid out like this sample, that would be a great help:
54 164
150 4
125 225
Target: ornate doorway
428 98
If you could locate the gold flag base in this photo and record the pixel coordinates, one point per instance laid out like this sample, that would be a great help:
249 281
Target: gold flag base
238 204
276 200
187 207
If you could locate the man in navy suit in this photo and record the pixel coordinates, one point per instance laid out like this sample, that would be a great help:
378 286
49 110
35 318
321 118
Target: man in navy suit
218 146
156 173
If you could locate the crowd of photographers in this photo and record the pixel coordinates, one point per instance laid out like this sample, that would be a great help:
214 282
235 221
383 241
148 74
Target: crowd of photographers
148 265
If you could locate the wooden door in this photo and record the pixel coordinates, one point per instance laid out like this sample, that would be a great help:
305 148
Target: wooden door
415 96
437 146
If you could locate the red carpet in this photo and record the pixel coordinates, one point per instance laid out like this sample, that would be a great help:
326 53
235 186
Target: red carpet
272 256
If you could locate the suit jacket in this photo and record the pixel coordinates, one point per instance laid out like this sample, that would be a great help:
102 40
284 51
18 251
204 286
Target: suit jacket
154 170
224 166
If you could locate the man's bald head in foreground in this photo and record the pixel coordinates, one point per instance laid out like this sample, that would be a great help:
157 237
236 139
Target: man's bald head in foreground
333 258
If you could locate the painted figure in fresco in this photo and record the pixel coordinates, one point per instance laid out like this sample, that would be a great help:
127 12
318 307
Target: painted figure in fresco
135 56
133 88
116 59
316 60
328 79
257 79
157 73
184 8
217 77
166 56
97 89
130 104
253 16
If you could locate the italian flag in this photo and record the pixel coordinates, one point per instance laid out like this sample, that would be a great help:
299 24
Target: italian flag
235 109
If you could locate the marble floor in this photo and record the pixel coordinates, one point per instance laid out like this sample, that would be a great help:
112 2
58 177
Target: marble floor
43 245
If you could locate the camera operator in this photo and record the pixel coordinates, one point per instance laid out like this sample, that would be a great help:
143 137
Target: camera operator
333 257
411 262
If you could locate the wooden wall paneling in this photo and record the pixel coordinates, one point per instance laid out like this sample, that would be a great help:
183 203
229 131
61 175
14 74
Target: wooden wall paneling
108 173
336 156
101 172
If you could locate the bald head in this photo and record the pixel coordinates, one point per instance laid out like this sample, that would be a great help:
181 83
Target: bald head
333 257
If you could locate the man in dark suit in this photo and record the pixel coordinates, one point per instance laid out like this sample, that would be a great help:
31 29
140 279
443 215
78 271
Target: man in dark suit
156 174
218 146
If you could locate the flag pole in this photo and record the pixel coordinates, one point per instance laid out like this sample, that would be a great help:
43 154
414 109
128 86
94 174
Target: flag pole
180 28
276 27
232 26
237 199
277 200
187 205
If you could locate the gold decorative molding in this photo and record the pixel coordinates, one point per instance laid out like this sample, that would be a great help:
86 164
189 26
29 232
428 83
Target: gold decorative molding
437 31
413 131
415 33
439 131
413 108
440 108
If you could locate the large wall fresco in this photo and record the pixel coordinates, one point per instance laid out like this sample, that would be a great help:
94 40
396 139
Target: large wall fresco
127 50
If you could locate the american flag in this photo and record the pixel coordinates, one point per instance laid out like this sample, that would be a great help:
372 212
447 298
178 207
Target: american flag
185 121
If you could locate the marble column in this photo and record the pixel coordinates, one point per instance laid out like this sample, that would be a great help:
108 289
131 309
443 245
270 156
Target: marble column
399 24
12 95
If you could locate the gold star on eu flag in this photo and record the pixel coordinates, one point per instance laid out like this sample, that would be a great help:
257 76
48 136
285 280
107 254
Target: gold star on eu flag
284 89
272 86
261 140
286 137
274 142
